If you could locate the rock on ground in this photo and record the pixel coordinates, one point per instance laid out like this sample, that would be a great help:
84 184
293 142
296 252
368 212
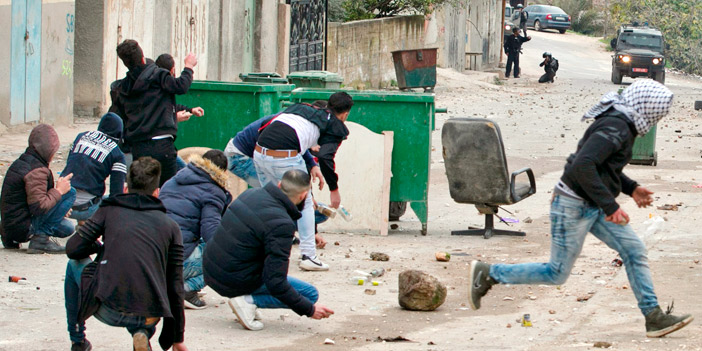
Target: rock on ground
419 291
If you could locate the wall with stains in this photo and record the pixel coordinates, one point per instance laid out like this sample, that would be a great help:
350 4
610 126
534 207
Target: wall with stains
469 36
57 51
361 51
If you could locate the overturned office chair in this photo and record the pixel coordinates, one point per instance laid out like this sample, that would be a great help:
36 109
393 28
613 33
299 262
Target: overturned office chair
476 167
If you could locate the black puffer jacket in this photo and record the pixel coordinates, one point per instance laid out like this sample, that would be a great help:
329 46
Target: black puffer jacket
145 101
252 247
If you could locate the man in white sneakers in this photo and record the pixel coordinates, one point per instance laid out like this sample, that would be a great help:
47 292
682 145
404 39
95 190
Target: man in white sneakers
280 146
247 259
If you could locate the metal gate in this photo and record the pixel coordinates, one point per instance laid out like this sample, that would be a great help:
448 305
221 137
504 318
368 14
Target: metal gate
308 27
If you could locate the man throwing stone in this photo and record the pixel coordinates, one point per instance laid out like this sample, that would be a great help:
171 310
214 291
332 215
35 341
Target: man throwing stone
585 201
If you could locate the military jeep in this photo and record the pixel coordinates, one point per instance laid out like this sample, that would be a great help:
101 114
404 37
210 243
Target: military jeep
638 52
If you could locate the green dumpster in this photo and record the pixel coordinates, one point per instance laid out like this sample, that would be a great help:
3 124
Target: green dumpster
229 107
262 77
644 151
415 68
410 116
316 79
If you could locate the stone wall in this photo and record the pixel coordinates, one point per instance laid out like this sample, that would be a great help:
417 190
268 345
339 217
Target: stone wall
360 51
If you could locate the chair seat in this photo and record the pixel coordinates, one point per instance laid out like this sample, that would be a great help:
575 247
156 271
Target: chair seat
522 189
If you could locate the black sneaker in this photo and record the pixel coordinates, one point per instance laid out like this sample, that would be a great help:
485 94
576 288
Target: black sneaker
82 346
41 243
193 301
659 323
480 283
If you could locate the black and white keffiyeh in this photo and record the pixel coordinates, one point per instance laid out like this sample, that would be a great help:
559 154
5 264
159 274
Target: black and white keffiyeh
645 102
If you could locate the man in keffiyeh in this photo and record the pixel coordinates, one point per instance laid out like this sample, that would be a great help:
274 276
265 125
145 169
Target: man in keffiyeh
584 201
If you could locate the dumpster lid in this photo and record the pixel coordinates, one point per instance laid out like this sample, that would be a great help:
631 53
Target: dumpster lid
365 95
240 86
324 76
260 75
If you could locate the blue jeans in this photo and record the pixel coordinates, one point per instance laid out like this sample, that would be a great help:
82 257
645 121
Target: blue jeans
85 214
263 299
53 222
192 269
271 169
76 330
571 220
243 167
180 163
71 290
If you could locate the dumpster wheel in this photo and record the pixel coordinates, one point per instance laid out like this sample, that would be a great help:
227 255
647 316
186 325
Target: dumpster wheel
654 162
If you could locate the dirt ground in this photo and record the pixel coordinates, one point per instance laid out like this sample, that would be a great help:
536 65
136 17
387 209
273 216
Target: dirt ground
540 125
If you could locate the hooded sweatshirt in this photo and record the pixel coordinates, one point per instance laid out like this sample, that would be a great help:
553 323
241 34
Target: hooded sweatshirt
141 268
144 100
95 156
28 189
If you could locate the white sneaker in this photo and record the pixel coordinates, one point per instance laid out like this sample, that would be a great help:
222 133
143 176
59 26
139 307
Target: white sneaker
312 264
245 313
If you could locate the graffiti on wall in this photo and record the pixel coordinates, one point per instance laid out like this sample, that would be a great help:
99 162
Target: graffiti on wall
70 30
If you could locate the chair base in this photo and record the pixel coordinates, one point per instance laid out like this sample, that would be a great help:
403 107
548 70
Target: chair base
487 233
489 230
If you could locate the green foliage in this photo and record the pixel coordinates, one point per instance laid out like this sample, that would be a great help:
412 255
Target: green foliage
369 9
679 20
336 11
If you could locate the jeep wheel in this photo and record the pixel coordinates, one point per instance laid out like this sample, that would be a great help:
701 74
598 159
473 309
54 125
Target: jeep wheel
660 77
562 31
616 76
537 25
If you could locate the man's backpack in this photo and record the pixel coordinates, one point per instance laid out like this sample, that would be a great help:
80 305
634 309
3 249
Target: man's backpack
554 64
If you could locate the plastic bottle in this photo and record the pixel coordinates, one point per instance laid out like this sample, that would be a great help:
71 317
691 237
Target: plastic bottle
377 272
654 225
326 210
344 213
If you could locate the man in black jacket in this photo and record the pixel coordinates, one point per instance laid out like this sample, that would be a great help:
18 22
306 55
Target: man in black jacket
144 100
247 259
139 274
585 201
513 48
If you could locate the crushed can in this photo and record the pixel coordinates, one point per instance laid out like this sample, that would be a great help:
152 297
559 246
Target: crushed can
526 320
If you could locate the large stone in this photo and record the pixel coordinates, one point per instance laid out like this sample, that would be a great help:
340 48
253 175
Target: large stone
419 291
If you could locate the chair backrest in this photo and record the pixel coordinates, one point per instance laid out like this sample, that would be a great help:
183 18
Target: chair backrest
475 161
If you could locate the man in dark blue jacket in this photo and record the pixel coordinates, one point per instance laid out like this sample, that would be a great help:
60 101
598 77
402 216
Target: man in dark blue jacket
196 199
94 156
513 48
248 258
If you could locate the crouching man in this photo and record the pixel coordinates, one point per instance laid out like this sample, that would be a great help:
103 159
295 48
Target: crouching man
137 276
248 258
196 199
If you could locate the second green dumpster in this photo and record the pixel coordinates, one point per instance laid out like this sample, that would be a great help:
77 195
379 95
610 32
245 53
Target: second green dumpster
410 116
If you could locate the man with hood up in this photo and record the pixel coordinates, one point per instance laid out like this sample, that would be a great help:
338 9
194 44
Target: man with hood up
94 157
585 201
32 208
196 199
144 101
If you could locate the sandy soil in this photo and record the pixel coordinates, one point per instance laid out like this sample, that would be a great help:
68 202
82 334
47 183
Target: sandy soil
540 125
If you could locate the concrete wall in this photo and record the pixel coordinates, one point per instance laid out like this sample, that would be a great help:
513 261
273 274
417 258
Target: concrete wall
360 51
58 28
474 28
5 61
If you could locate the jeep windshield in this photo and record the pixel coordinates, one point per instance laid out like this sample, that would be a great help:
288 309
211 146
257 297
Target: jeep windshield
628 40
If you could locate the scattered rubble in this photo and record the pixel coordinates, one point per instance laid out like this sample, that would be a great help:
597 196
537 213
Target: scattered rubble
379 256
